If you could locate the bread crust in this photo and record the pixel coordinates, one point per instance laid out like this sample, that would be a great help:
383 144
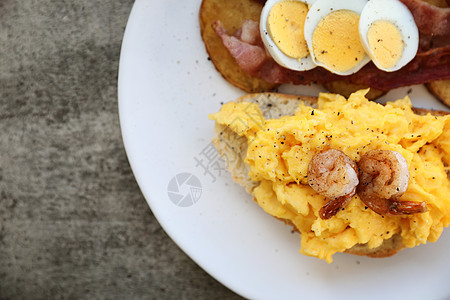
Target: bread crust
233 149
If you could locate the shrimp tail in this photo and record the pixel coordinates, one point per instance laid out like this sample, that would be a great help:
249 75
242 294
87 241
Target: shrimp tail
393 206
407 207
332 207
384 177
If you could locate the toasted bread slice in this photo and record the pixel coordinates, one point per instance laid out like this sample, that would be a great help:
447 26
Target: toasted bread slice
233 149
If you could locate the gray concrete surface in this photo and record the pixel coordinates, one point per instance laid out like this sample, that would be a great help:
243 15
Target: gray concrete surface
73 223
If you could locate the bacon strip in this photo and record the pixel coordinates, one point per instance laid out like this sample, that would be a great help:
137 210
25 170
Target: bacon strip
432 61
433 23
430 19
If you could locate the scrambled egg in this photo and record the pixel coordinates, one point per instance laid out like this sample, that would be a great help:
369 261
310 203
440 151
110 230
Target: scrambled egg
279 151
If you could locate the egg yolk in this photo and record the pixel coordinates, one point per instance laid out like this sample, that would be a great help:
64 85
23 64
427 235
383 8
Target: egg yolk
336 42
285 25
386 43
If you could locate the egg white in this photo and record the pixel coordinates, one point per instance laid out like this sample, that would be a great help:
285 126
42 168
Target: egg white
397 13
319 10
282 59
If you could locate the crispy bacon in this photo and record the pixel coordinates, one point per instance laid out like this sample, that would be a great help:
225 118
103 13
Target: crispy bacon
430 19
432 61
433 23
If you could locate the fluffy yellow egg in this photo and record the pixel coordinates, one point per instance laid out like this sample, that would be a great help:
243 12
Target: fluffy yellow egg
280 150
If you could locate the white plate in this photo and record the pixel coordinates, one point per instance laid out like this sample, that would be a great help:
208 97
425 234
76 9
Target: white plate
167 88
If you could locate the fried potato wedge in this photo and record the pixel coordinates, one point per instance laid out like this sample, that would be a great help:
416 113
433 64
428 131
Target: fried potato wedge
231 13
438 3
441 90
346 89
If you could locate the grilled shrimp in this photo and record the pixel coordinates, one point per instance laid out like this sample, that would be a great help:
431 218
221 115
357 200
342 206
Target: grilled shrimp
383 177
335 175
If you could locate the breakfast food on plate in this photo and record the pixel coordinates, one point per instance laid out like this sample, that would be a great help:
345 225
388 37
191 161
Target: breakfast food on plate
378 44
349 175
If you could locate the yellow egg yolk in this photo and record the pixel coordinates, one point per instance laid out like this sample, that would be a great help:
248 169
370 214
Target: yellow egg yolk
285 25
336 42
386 43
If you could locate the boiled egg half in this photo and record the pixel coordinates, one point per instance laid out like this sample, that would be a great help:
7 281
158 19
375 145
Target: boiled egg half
282 31
332 35
388 34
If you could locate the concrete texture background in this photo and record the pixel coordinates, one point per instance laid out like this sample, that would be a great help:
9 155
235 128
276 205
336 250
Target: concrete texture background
73 223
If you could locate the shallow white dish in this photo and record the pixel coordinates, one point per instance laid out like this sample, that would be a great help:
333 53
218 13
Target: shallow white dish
167 88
